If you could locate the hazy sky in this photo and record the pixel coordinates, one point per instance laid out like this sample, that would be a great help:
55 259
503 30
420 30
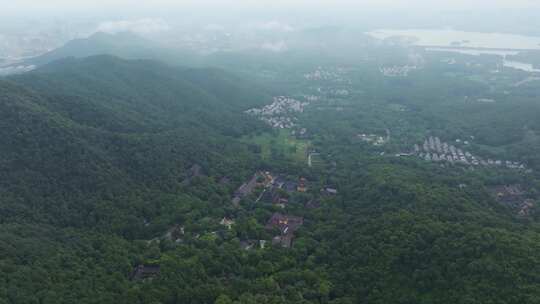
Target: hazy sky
35 6
61 20
481 15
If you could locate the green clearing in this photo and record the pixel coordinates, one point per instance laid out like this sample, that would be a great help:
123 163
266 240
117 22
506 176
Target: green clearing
280 143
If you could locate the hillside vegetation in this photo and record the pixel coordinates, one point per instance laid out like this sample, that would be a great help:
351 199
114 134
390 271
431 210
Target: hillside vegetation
108 164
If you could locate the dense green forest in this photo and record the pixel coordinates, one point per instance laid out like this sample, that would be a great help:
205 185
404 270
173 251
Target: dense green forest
112 130
103 160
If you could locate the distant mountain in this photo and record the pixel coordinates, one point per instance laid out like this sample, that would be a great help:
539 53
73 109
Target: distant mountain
532 57
125 45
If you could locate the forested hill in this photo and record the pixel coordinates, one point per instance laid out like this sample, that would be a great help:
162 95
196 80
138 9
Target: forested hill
81 132
116 186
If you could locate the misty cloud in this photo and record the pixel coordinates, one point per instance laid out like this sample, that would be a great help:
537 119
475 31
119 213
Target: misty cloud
275 26
16 69
214 27
140 26
276 47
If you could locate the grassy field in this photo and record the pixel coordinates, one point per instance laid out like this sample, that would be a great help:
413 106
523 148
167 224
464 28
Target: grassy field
282 143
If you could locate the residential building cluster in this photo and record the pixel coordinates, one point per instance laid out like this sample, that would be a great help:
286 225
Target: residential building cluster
287 225
300 133
397 71
449 61
376 140
280 114
486 100
277 189
513 196
433 149
245 189
311 98
334 75
144 272
340 92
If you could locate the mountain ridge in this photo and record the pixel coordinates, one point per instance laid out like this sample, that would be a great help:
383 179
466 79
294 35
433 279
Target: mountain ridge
138 129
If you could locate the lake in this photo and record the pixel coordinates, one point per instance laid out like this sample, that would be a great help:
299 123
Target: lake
469 43
474 52
527 67
452 38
